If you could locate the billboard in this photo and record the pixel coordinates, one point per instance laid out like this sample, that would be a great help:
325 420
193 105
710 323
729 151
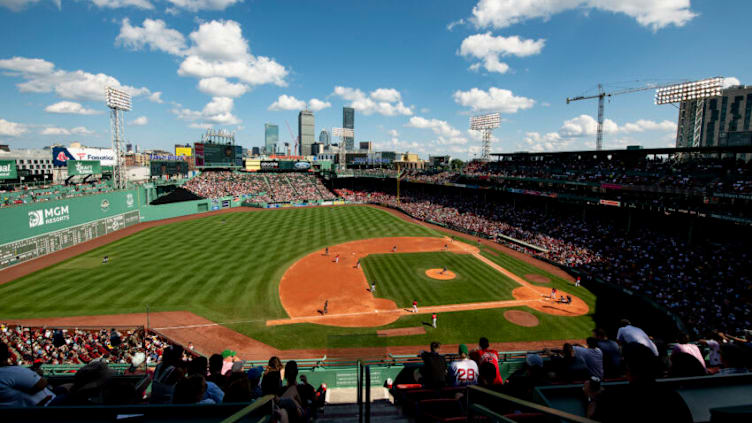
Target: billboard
61 155
218 155
268 165
84 167
183 151
8 169
166 167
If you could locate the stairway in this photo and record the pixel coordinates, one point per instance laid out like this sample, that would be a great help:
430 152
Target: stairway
382 411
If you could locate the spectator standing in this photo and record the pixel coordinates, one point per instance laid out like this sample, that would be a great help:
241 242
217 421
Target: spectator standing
628 334
611 353
487 355
592 356
687 348
434 370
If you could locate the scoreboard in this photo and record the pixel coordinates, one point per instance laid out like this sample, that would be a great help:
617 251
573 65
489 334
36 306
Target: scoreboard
218 155
30 248
168 167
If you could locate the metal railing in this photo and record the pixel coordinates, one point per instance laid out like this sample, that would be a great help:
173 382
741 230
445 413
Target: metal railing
265 401
479 410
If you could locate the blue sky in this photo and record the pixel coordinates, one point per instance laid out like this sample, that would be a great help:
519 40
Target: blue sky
414 70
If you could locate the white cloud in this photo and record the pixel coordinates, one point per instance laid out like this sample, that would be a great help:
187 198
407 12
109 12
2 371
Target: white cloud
219 50
217 111
315 104
730 82
286 102
446 134
389 95
116 4
18 5
156 97
654 14
384 101
221 87
440 127
139 121
151 33
12 129
196 5
455 23
495 99
79 130
489 49
585 126
393 133
41 77
70 107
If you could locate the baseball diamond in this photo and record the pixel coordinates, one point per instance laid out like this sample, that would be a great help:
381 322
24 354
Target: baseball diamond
214 267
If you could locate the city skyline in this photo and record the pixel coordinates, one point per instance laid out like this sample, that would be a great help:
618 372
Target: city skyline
412 83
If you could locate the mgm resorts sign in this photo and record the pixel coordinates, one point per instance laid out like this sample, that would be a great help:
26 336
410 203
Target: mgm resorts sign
48 216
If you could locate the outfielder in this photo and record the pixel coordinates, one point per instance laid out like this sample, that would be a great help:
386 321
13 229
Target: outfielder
373 287
415 306
434 317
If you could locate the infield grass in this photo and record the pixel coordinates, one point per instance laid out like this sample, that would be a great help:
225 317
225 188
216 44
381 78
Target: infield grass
402 279
227 268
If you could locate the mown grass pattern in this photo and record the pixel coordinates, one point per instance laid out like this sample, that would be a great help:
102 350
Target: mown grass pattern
227 267
402 278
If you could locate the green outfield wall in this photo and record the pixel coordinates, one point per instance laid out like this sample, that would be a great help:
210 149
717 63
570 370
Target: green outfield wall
34 219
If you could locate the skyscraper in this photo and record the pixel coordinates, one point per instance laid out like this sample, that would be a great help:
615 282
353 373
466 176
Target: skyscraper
306 132
324 137
348 121
271 138
716 121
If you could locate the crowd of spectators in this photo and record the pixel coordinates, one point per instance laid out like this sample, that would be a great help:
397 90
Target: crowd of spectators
710 175
264 188
179 378
36 346
707 285
35 194
226 183
632 355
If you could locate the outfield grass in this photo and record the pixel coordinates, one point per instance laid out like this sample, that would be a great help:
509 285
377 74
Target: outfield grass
227 268
402 279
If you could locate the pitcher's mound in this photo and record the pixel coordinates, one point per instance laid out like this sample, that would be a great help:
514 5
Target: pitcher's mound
521 318
440 274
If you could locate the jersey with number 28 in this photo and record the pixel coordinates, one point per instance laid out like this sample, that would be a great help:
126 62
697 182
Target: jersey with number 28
464 372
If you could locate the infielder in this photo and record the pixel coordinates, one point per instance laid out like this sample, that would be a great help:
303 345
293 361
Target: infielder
336 259
415 306
373 287
326 306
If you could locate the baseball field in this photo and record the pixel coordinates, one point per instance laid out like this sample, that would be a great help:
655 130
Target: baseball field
267 275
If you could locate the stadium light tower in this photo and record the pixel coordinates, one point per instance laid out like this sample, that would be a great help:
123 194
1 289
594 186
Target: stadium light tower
697 90
486 124
342 133
118 101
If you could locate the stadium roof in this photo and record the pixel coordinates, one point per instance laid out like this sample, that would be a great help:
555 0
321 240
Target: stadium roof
636 151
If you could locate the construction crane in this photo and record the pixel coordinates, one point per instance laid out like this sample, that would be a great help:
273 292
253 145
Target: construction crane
293 138
601 96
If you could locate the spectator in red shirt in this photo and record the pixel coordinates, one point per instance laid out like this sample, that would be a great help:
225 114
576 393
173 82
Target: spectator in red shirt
487 355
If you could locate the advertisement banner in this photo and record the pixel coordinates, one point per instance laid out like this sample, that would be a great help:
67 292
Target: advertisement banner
84 167
61 155
183 151
8 169
199 149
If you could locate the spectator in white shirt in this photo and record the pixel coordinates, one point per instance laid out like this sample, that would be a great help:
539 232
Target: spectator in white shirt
628 334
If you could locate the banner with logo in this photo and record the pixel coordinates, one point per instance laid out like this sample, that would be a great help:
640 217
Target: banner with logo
84 167
8 169
61 155
29 220
183 151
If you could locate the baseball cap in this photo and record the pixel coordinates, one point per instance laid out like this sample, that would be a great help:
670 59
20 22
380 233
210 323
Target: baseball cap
228 353
463 349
